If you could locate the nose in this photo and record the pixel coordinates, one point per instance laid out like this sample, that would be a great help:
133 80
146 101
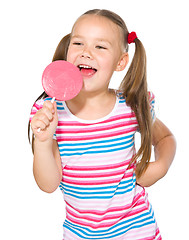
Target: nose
86 53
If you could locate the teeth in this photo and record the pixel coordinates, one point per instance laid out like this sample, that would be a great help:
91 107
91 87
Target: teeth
84 66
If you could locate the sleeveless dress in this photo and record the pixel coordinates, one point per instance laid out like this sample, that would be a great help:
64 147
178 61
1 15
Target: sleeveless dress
99 186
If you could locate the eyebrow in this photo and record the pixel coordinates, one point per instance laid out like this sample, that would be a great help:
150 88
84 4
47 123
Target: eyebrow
97 39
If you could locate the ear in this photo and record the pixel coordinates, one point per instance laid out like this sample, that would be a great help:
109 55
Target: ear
122 62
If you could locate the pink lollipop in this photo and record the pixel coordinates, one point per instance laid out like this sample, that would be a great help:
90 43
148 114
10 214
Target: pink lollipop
61 80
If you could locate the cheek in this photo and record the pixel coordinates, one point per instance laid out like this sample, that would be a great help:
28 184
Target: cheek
109 61
71 55
109 65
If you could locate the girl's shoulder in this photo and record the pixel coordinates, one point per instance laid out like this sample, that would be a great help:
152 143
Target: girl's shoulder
151 96
123 101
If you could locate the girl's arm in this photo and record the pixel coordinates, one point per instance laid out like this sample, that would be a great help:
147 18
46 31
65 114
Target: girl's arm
164 147
47 162
47 168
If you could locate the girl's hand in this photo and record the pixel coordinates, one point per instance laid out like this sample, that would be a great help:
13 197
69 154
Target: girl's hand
46 119
153 173
164 147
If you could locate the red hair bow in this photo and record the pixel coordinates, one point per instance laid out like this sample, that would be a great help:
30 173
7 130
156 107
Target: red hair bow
131 37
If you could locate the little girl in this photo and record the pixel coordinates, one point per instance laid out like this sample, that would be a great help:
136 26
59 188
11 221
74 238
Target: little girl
86 145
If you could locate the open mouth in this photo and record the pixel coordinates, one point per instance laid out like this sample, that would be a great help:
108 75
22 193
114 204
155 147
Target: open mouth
87 70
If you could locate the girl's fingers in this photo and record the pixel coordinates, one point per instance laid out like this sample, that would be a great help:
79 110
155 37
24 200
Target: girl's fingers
40 125
47 114
45 121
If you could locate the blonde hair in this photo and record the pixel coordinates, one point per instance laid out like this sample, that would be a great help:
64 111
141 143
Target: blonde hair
133 86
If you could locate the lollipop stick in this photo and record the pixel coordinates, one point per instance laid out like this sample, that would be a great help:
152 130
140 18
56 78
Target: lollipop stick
52 100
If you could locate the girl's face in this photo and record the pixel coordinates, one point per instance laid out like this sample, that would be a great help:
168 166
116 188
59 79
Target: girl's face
96 48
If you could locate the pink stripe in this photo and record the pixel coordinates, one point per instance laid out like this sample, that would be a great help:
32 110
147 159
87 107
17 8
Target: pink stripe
151 96
33 111
38 106
90 137
107 217
94 175
95 226
35 108
103 225
147 238
135 212
98 182
96 129
114 118
112 209
158 233
120 116
103 167
152 238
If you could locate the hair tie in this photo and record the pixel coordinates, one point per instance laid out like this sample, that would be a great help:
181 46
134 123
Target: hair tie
131 37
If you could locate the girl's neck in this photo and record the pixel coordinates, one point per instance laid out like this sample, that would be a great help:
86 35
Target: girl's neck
93 98
92 106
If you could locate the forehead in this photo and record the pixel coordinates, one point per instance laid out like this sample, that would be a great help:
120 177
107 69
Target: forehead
96 25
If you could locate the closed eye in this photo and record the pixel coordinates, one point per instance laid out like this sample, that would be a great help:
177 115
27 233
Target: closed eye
77 43
100 47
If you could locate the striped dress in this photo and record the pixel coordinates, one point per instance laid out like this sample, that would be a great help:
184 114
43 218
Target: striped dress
102 198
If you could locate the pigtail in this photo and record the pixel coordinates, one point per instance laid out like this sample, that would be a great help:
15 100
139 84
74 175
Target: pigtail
134 88
60 54
62 48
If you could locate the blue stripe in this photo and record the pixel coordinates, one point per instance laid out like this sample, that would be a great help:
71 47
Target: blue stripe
95 152
48 99
122 230
57 102
98 188
99 196
133 223
96 142
95 147
84 195
60 108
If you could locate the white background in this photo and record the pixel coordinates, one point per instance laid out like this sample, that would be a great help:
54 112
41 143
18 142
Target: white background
30 32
